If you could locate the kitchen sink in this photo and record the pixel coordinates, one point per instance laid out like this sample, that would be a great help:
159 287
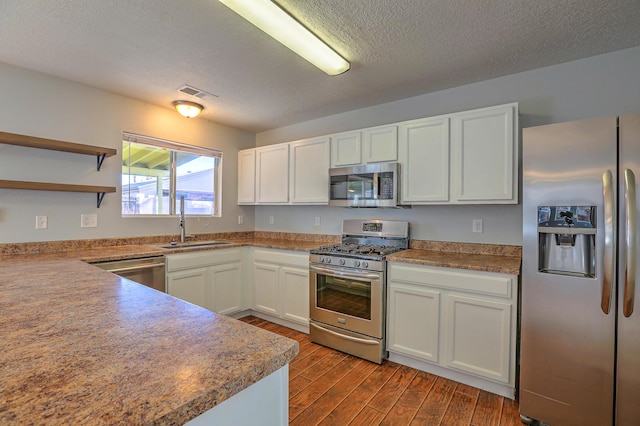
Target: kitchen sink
193 244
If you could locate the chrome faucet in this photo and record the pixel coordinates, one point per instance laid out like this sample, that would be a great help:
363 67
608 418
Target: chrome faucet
183 231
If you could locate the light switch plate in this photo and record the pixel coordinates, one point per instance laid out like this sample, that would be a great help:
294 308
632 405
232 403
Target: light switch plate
271 220
240 220
41 222
89 220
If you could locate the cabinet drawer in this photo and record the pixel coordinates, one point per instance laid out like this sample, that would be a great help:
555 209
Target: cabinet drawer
500 285
178 262
280 257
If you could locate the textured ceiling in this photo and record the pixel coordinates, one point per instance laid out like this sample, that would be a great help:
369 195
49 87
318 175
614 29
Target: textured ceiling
147 49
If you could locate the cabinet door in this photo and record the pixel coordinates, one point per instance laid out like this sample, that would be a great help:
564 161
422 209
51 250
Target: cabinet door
413 321
272 174
380 144
424 154
226 289
266 288
247 176
190 285
309 182
295 294
478 336
484 153
346 149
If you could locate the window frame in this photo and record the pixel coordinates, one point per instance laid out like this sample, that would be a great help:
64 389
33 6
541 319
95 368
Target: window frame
174 148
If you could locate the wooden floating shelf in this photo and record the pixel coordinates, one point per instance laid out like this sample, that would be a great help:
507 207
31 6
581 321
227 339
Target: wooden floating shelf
42 143
64 187
54 145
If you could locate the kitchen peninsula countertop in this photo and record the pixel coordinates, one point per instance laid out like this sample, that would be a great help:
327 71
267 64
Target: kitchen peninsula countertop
83 346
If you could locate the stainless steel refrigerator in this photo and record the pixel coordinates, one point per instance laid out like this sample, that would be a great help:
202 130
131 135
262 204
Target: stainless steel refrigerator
580 322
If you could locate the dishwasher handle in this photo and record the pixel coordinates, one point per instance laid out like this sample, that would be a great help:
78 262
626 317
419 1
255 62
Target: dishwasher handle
137 267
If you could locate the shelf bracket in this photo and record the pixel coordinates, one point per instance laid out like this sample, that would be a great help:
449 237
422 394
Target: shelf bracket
100 197
100 158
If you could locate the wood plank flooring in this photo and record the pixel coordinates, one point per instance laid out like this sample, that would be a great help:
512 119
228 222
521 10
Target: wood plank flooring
329 388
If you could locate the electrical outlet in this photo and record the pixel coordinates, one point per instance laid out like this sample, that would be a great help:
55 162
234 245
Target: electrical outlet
271 220
89 220
477 226
240 220
41 222
317 221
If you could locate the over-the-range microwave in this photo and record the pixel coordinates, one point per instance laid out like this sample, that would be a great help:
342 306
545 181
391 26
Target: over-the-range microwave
371 185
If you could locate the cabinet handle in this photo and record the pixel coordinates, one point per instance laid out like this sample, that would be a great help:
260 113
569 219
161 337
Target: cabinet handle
630 243
609 243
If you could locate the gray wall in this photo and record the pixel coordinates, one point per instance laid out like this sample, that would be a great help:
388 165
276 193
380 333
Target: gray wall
38 105
600 85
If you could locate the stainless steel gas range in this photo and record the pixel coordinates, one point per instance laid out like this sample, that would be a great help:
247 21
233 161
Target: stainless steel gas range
348 287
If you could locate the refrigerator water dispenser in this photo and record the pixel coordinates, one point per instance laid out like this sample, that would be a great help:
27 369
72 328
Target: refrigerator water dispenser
566 240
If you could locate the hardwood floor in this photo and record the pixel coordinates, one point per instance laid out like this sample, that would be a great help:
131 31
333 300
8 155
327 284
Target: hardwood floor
327 387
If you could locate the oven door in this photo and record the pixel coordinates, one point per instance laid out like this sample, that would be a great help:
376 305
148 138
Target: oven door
348 299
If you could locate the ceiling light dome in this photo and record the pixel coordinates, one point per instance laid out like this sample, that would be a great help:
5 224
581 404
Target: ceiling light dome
188 109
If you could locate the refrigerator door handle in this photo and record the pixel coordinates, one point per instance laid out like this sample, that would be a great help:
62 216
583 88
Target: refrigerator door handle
630 242
609 247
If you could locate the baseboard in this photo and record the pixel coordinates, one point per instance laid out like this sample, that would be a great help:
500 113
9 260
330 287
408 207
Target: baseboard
457 376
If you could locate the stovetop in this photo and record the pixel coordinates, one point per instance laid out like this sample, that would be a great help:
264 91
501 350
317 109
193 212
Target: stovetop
365 244
357 251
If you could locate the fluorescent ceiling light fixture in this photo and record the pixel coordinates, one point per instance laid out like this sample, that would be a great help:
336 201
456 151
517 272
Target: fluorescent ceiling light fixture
274 21
188 109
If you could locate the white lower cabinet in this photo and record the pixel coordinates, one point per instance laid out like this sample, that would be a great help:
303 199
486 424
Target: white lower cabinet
190 285
454 323
295 293
281 284
267 288
479 336
226 291
211 279
410 305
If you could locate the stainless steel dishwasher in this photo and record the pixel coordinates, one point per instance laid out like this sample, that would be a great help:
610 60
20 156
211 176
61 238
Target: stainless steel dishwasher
148 270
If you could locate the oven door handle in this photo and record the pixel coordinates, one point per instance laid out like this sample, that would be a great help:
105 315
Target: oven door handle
342 336
344 274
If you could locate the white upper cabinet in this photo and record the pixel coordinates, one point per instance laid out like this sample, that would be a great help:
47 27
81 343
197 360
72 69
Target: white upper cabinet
247 176
272 174
309 178
373 145
469 157
380 144
484 151
346 149
424 156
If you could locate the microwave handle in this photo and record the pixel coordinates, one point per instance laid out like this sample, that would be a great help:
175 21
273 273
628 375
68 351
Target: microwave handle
344 274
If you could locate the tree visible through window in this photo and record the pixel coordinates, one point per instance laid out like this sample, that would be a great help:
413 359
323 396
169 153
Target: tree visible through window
156 173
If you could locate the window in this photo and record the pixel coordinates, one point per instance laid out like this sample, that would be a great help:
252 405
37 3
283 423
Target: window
157 173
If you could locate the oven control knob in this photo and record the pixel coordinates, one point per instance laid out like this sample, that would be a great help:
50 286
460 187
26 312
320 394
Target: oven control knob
342 261
365 264
356 263
321 259
328 260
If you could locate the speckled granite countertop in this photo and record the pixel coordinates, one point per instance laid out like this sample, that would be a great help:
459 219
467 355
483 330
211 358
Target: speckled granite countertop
476 257
83 346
